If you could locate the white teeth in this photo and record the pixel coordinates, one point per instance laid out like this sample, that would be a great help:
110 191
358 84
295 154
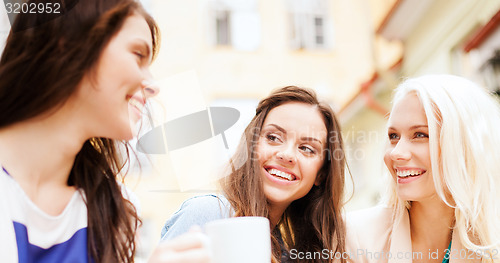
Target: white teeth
406 173
136 104
281 174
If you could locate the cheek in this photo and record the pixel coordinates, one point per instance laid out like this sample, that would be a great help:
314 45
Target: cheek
388 162
262 151
387 157
124 72
318 164
311 166
426 156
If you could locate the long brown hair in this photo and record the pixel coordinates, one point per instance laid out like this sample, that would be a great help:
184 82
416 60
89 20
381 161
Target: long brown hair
45 58
313 222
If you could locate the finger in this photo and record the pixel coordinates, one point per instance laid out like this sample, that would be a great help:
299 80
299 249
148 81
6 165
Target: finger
187 241
195 228
188 256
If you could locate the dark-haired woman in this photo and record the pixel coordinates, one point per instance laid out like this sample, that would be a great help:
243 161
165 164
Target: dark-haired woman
294 176
72 85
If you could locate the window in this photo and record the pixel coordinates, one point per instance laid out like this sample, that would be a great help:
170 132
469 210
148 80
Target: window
319 30
490 72
479 57
234 23
308 24
222 27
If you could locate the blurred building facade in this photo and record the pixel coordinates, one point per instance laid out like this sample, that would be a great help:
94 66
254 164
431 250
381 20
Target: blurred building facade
243 49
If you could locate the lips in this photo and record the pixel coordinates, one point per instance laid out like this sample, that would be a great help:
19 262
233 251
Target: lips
137 103
280 173
407 175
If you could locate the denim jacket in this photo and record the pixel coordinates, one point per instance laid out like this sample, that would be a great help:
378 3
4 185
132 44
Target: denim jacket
200 210
197 210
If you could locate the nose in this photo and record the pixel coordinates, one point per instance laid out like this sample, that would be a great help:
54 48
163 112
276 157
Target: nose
286 155
401 151
149 87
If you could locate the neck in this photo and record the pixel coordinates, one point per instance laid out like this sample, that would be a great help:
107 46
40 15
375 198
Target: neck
275 213
431 223
41 151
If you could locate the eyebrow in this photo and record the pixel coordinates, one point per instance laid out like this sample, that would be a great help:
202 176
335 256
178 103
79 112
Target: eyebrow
306 138
278 127
412 127
312 139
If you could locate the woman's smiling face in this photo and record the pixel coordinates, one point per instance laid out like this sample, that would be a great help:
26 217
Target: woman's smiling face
407 156
291 151
114 97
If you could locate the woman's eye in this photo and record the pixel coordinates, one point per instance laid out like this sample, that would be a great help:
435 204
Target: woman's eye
393 136
273 138
421 135
139 55
307 149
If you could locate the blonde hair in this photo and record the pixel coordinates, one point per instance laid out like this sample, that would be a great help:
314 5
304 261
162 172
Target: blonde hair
465 156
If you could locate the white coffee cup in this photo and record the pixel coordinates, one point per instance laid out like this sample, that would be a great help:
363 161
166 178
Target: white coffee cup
240 240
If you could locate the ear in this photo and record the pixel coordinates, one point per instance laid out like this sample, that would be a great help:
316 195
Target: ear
319 177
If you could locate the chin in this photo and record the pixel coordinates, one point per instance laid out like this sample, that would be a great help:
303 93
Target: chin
271 194
127 138
410 197
120 137
124 134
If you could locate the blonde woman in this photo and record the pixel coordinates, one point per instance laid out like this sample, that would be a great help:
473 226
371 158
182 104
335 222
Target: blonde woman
443 156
